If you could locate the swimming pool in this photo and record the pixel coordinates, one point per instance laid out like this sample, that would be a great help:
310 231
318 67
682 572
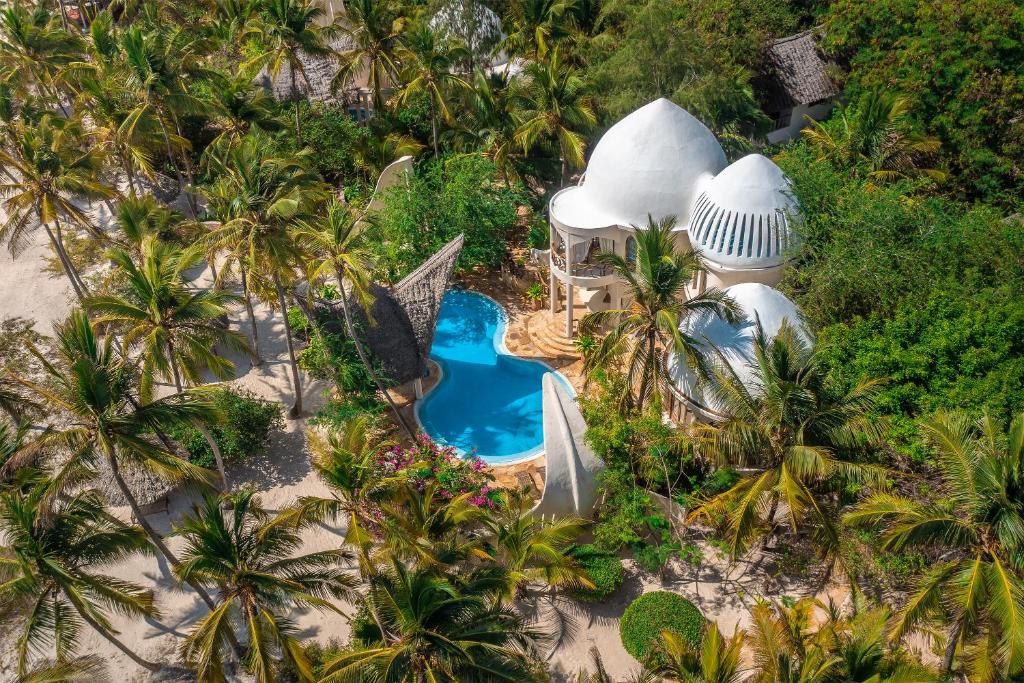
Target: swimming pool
487 399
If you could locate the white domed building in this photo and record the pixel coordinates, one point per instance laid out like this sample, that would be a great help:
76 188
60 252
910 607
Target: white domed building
660 161
729 343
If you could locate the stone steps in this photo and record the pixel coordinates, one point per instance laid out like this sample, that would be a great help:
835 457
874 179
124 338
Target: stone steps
547 337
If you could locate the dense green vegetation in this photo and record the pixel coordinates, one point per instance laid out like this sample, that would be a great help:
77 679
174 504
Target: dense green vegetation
242 432
892 450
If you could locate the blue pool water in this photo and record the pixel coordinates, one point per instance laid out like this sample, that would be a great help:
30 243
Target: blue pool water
487 399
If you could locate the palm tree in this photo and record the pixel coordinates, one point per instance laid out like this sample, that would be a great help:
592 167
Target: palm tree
144 216
656 288
374 33
13 451
975 519
428 69
132 142
35 48
494 109
556 110
795 430
530 549
85 669
157 63
289 30
230 21
716 660
536 27
48 168
242 104
868 656
345 460
174 328
269 197
427 528
47 571
374 152
438 628
248 557
786 649
91 388
876 133
789 644
334 239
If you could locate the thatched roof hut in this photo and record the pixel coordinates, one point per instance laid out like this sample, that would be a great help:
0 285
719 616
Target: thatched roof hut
149 490
404 317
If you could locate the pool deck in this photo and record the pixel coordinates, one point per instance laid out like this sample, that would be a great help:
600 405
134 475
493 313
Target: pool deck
530 334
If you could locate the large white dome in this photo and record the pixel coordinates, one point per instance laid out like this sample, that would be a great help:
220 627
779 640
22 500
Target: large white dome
743 217
650 162
757 302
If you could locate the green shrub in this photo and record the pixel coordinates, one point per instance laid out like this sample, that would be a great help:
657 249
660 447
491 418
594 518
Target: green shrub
331 132
651 613
458 195
338 411
539 236
244 432
603 568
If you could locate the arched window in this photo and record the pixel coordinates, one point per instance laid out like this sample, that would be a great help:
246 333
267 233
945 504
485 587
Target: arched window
631 249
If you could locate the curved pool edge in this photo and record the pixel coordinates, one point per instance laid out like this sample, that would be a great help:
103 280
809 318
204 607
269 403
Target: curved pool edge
500 347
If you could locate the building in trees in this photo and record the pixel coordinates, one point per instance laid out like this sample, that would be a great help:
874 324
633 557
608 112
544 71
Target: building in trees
795 85
729 343
658 162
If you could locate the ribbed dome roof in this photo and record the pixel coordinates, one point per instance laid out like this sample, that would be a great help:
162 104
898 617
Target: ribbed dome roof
650 162
757 302
743 217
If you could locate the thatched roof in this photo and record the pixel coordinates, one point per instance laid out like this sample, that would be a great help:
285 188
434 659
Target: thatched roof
319 70
421 291
146 486
404 317
173 674
798 72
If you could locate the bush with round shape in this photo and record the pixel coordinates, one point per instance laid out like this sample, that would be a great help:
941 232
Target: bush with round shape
651 613
602 567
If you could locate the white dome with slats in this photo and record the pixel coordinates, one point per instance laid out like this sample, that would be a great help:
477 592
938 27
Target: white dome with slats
743 218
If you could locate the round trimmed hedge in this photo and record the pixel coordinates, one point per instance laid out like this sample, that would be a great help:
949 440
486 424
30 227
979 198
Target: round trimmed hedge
603 568
651 613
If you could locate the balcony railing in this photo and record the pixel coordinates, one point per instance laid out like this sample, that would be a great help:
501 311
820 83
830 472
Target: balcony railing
582 269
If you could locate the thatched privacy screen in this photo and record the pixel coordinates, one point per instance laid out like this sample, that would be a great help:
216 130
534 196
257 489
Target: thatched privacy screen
404 317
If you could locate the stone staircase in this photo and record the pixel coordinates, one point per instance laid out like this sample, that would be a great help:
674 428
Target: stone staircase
547 335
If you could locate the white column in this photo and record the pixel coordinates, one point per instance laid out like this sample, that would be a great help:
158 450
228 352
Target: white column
419 388
568 285
552 287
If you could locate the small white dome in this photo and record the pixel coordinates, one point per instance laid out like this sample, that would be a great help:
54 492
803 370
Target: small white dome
650 162
743 218
757 302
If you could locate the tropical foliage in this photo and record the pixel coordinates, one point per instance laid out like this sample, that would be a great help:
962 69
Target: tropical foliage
187 208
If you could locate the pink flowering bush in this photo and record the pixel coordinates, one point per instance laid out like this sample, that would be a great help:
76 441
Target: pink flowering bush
426 461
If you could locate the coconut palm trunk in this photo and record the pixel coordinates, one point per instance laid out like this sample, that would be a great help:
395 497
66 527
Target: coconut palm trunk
350 328
215 449
65 265
154 537
433 127
296 409
257 359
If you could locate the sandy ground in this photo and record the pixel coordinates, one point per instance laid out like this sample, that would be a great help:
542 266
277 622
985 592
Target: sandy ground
283 473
